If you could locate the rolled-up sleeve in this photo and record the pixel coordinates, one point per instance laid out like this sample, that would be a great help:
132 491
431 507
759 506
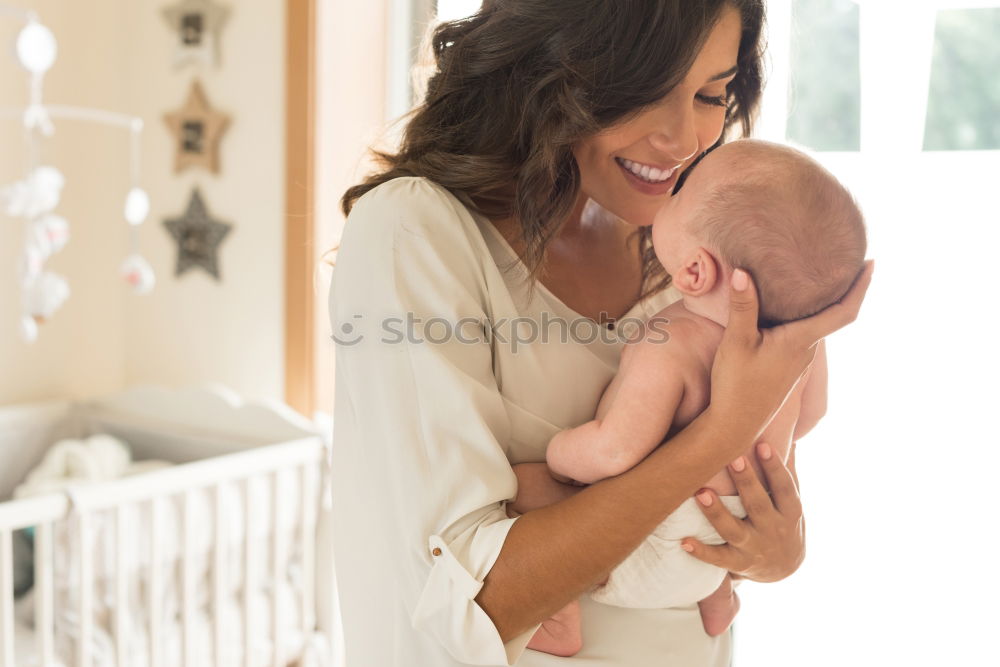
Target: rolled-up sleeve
422 410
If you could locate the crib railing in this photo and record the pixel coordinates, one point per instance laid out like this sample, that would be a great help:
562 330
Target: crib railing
304 457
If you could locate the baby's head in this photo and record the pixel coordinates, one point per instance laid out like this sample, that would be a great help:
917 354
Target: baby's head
772 211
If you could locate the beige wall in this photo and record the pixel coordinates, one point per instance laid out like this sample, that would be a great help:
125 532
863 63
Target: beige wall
80 350
116 54
350 106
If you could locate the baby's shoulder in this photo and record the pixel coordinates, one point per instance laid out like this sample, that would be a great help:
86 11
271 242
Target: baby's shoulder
664 337
672 336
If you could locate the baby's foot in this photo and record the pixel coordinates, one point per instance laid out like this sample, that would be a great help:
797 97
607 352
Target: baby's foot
561 634
719 609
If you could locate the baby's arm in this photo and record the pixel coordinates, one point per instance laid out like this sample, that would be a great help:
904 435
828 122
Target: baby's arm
637 420
813 395
537 489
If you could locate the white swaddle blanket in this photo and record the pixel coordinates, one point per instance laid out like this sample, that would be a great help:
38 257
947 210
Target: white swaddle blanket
659 574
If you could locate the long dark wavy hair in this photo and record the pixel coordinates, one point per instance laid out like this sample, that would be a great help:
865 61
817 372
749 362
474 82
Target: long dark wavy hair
520 82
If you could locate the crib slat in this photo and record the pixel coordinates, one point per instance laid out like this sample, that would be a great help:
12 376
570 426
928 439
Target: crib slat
249 566
277 566
309 501
121 590
187 574
44 595
219 578
7 598
86 592
155 581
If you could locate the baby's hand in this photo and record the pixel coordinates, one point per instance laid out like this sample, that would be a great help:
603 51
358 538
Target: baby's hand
536 488
563 479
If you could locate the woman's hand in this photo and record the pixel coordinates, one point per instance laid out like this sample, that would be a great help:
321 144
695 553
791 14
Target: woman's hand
754 370
769 544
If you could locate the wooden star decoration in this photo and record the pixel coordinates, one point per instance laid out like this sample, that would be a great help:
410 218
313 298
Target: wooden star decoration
198 236
197 129
197 24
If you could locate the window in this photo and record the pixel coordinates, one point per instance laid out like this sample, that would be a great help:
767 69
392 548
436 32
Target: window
449 10
963 111
824 88
825 102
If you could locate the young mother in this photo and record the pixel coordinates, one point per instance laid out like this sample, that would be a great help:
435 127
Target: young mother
473 302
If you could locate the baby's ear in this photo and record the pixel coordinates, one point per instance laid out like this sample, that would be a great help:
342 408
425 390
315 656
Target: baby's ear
702 272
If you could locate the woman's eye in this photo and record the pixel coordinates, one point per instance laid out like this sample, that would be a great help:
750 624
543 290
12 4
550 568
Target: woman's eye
719 101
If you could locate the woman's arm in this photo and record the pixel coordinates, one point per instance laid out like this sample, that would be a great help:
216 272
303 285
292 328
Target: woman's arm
555 554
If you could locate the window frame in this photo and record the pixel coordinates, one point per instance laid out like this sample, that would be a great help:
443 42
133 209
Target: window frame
300 206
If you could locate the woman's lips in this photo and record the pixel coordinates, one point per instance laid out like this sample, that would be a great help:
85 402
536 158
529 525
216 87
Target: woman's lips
646 187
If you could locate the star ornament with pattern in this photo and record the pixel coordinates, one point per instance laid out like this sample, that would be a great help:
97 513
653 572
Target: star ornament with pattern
197 130
198 236
197 24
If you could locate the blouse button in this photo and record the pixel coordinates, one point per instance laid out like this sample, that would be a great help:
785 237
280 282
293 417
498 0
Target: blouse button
436 551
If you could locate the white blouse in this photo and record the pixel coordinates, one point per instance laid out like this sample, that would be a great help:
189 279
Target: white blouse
436 398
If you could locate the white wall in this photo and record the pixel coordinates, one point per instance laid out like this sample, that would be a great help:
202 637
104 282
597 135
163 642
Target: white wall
116 54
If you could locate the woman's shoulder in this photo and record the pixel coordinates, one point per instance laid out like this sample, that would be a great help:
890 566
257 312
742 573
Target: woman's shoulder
414 203
415 230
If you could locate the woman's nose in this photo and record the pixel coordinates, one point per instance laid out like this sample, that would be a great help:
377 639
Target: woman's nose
677 137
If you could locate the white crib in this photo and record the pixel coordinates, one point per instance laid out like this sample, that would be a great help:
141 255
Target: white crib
181 527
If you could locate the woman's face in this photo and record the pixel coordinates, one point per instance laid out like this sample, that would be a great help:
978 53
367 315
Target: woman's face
631 168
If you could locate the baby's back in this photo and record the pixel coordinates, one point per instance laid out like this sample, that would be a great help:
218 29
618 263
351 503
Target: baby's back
701 338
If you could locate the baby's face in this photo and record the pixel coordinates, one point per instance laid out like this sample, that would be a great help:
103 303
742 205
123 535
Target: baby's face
671 240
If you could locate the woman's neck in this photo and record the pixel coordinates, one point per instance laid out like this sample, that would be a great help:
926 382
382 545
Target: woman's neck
574 222
571 227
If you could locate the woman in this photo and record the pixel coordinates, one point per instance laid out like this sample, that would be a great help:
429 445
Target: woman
457 258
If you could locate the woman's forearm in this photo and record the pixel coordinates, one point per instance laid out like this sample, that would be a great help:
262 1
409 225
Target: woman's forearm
555 554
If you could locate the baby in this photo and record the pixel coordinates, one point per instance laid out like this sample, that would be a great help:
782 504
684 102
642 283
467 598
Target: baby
776 213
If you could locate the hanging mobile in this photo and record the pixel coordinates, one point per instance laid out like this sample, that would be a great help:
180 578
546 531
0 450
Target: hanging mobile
34 198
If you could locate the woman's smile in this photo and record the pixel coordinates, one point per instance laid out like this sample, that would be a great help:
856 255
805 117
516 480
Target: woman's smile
647 179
